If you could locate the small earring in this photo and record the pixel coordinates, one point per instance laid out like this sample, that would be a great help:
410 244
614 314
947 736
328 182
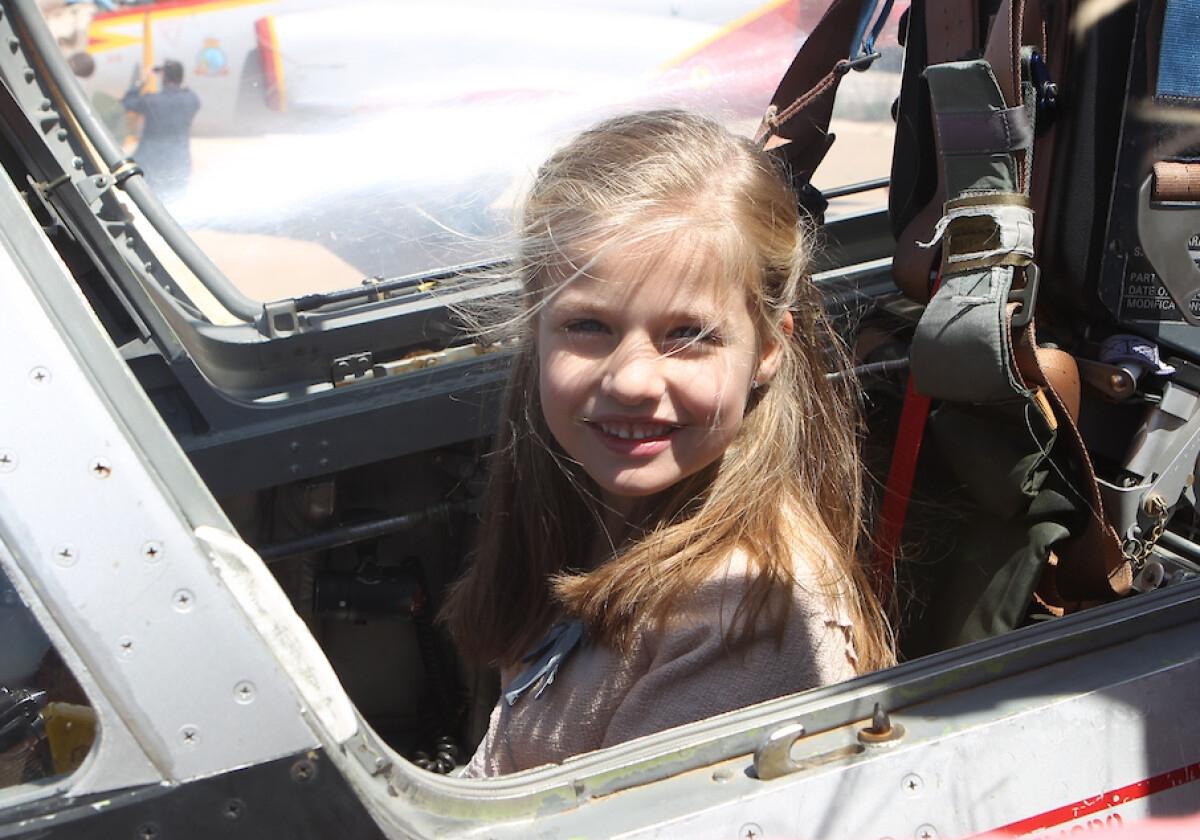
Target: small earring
755 384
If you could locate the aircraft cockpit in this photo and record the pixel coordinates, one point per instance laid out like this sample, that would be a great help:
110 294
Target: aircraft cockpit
246 438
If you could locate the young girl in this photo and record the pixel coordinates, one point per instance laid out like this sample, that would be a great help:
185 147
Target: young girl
672 520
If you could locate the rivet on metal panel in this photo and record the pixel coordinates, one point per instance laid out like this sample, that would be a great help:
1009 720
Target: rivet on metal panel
8 460
40 376
152 550
66 555
234 809
62 135
303 771
189 734
926 832
125 647
183 601
100 468
244 692
912 784
77 163
750 831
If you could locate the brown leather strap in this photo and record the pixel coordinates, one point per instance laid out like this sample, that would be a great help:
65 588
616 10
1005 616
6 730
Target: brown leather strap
800 111
1053 38
952 29
1003 49
1090 566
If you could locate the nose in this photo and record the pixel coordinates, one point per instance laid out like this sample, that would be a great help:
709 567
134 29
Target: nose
635 373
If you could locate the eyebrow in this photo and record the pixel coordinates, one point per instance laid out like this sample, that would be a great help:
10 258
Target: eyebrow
581 304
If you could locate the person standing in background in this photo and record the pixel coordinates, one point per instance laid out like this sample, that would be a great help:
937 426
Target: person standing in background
164 151
108 109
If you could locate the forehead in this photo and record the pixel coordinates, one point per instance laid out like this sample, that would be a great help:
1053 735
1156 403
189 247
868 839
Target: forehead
678 277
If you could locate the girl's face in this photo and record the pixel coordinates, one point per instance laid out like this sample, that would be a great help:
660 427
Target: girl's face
645 373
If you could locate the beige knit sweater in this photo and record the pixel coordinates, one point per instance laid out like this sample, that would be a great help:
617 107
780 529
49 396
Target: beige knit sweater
682 674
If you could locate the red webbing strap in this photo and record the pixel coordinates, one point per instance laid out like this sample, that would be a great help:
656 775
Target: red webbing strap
901 473
899 486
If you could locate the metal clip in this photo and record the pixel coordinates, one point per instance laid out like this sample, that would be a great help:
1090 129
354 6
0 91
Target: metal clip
1026 296
860 64
1164 228
347 369
773 758
280 318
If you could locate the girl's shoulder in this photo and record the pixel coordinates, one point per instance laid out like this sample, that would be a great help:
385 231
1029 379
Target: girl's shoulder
811 584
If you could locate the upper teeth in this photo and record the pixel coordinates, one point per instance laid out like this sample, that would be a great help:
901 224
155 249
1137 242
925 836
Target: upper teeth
635 431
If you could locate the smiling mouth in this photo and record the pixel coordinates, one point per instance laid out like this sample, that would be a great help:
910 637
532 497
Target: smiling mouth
635 431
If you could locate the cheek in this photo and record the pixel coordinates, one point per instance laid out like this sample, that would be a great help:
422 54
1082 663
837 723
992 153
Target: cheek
717 393
561 376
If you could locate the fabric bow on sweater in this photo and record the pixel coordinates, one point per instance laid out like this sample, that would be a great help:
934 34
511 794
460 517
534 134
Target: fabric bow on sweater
545 660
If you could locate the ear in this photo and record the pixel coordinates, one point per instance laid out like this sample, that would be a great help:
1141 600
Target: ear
772 354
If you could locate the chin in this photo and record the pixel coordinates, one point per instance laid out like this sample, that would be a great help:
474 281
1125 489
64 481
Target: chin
640 489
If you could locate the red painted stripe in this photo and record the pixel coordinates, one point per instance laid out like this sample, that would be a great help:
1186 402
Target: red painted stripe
272 63
164 6
1095 804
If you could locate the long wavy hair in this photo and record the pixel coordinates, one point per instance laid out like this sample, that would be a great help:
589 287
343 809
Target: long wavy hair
789 486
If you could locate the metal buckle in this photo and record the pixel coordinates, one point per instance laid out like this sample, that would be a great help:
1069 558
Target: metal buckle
1026 296
861 63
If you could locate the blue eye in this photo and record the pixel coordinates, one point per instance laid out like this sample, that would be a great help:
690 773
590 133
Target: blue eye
690 335
584 326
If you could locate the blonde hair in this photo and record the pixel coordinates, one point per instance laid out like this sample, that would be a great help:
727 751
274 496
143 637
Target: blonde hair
791 480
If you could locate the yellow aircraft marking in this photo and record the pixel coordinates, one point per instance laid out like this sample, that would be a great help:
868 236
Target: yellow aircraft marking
744 20
104 34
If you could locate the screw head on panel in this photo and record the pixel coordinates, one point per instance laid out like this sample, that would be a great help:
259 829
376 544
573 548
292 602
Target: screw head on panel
912 784
189 735
100 468
183 601
303 771
926 832
152 551
244 692
40 376
233 809
8 460
66 555
750 831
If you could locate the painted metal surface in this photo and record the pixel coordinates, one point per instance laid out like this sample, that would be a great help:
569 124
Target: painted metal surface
159 636
298 797
1105 737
